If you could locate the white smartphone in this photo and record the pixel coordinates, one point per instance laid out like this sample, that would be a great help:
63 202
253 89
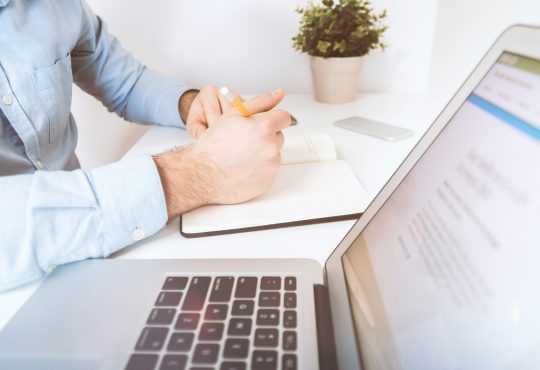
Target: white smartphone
374 128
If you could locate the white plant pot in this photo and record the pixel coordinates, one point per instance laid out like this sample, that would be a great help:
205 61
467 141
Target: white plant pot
335 80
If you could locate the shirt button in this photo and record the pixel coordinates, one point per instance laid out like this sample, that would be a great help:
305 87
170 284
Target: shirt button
7 100
39 164
138 234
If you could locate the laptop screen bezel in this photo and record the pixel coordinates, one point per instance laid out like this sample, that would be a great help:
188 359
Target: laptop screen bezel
519 39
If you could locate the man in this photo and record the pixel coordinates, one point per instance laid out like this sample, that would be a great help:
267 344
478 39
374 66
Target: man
51 211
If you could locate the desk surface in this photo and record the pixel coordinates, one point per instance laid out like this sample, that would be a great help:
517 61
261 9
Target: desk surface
372 160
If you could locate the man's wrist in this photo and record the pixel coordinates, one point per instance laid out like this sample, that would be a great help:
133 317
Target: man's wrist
186 180
184 103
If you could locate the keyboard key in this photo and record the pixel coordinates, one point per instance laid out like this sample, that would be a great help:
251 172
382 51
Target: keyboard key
271 283
196 294
175 283
264 360
269 299
161 316
216 312
267 317
246 287
290 283
289 341
243 308
228 365
289 362
152 339
180 342
201 368
170 299
266 337
289 319
206 353
141 361
187 321
239 327
236 348
211 331
289 300
222 288
173 362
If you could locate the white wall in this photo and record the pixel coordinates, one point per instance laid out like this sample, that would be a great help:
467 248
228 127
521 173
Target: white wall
464 32
245 44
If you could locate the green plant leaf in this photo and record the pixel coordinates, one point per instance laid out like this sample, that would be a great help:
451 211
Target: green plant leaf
339 29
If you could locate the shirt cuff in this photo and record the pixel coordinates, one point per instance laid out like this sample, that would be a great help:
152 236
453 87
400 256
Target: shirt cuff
154 99
132 201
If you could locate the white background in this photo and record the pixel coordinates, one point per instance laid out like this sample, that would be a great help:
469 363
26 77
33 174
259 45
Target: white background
246 44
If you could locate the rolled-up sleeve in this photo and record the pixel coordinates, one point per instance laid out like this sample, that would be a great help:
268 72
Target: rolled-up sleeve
104 69
57 217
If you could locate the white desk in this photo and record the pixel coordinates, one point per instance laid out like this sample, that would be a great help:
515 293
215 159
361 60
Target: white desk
372 160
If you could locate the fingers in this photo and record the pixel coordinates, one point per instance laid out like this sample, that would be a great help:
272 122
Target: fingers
196 129
264 102
211 107
225 104
277 119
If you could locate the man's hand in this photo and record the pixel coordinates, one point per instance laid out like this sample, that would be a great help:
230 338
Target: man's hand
203 109
234 160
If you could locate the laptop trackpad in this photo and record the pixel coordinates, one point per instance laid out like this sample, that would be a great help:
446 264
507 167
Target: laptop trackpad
84 315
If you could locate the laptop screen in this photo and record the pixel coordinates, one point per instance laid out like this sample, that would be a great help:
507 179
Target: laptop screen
447 274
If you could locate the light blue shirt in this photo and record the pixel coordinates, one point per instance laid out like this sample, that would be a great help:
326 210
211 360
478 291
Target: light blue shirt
51 211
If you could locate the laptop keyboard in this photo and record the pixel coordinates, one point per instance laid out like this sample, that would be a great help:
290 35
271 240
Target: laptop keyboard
224 322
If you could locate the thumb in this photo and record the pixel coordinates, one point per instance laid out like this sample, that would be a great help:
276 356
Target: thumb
264 102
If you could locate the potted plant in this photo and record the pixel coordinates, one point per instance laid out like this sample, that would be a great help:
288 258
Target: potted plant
336 35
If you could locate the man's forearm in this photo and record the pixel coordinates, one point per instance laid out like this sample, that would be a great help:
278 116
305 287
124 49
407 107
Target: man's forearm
55 217
102 68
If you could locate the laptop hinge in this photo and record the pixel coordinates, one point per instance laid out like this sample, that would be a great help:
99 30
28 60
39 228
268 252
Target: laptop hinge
325 329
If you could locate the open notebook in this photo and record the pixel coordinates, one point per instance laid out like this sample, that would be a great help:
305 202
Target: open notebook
311 186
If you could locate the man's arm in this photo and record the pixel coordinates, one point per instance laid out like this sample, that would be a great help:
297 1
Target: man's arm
57 217
104 69
51 218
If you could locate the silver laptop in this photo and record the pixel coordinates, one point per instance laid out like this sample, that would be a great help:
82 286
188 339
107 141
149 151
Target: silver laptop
441 272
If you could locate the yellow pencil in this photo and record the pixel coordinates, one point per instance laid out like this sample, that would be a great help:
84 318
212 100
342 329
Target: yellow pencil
235 101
